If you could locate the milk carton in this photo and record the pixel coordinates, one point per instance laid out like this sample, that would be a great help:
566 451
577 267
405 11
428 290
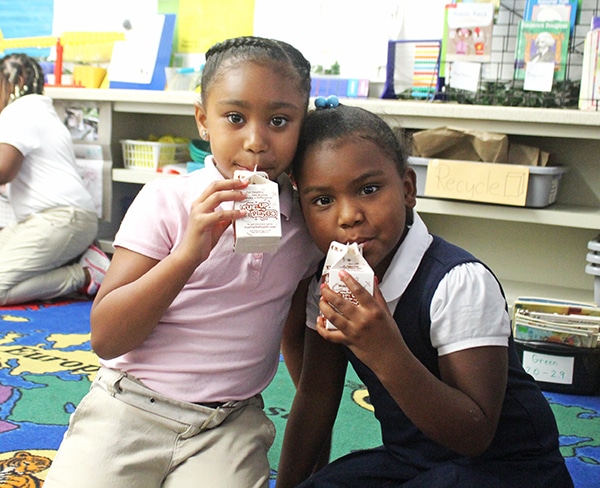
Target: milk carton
260 230
346 257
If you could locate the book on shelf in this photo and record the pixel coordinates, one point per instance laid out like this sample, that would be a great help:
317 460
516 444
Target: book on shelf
578 332
542 42
468 31
552 11
556 322
589 93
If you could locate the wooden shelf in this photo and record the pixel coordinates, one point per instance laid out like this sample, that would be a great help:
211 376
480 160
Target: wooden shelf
411 114
560 215
535 252
542 122
138 176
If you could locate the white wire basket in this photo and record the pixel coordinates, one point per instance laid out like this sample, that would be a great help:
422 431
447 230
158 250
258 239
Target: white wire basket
151 156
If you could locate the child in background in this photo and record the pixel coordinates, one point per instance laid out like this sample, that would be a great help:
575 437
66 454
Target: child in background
432 345
188 332
48 252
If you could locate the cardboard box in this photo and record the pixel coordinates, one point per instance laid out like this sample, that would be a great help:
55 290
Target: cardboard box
260 230
346 257
505 184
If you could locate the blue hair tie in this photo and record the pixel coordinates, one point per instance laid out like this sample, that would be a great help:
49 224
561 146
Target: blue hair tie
329 102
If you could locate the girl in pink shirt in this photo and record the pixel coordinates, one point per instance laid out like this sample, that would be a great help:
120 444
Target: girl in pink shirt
188 332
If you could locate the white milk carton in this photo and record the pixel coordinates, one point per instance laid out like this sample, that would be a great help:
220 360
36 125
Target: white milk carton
260 230
346 257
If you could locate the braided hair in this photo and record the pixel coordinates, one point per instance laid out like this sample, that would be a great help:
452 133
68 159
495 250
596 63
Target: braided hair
18 67
259 50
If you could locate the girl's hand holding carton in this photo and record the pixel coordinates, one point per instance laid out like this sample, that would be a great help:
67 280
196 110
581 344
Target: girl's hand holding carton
260 229
346 257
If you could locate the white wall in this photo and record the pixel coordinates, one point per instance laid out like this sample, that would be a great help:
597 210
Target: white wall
352 32
97 16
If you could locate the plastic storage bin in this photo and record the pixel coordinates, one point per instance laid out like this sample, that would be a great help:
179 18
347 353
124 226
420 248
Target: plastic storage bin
586 366
199 149
146 155
542 186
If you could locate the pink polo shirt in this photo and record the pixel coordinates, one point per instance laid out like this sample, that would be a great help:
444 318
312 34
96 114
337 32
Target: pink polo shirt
220 338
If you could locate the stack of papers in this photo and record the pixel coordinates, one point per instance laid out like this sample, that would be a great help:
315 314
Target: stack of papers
544 320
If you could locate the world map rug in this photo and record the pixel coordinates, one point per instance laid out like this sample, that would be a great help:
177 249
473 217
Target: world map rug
46 367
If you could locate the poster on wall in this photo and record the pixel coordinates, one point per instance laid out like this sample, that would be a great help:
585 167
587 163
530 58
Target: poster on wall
35 21
218 21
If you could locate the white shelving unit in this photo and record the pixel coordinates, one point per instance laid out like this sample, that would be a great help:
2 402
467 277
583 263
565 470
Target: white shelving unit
535 252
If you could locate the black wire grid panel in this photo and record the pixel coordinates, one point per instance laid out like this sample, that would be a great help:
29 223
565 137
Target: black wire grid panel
498 84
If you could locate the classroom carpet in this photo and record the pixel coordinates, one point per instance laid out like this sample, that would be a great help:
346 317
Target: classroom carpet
46 366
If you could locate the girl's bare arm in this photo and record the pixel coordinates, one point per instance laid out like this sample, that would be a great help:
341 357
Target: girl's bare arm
137 290
460 410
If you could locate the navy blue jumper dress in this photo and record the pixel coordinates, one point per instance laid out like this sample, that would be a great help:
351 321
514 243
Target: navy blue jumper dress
524 452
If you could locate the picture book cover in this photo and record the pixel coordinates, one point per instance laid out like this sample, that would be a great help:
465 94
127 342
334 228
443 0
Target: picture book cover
468 32
552 11
554 306
542 42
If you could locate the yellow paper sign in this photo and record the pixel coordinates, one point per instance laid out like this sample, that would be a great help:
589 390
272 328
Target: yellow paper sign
201 23
478 182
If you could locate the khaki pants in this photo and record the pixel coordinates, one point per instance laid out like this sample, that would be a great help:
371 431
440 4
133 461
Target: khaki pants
36 255
126 435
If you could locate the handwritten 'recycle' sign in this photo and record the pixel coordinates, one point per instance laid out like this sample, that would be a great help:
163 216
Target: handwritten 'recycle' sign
478 182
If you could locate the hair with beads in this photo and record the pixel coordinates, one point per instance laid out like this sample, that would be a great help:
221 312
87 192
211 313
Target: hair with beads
341 123
17 66
269 52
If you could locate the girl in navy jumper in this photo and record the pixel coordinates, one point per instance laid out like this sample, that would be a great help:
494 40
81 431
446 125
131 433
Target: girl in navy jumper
432 345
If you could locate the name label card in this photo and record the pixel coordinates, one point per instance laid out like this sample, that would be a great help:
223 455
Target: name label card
478 182
548 368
